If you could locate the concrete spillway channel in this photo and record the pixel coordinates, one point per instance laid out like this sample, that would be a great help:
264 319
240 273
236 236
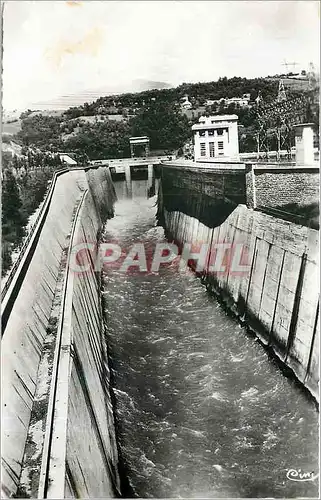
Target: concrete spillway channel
58 428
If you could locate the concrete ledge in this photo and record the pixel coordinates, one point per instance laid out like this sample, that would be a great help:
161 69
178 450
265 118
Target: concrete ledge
277 168
143 160
204 166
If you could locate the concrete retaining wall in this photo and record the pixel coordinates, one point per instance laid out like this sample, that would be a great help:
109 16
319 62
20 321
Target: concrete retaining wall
266 186
54 355
276 186
218 180
207 193
277 296
83 414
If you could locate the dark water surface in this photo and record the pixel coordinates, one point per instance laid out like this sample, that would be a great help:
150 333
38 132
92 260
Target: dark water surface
201 409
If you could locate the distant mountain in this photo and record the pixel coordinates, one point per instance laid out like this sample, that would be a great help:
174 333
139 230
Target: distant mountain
69 100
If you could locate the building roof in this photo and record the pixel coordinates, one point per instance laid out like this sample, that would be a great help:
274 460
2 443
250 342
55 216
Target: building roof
139 140
215 121
219 118
67 159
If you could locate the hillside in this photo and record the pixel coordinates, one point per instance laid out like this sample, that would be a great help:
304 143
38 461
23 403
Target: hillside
101 129
198 93
11 127
300 84
78 99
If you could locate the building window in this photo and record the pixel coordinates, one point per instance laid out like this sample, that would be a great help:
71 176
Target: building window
220 146
219 131
203 148
211 132
202 133
212 149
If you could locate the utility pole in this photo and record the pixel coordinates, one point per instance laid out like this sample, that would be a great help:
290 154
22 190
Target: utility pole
312 76
288 64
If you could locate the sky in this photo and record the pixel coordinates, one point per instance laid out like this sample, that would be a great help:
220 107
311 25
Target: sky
54 48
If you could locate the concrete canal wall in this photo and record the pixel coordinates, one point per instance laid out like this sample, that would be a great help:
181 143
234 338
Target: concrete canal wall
277 186
254 184
277 295
58 437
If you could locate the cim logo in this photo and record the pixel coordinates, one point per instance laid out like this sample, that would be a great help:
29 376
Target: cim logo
298 475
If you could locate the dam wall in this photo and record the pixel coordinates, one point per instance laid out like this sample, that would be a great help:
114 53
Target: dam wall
232 183
203 190
275 291
58 437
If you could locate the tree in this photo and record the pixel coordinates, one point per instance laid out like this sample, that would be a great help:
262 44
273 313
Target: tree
13 219
107 139
41 131
163 123
6 258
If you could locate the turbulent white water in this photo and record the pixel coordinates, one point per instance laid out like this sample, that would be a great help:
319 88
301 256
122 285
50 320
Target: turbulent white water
201 410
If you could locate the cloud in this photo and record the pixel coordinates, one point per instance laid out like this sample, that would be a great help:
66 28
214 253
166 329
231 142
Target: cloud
53 48
90 44
74 4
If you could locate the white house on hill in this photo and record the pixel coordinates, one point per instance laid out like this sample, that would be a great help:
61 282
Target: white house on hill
186 103
65 158
216 138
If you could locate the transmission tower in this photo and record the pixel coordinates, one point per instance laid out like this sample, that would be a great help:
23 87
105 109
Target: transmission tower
312 76
281 93
278 117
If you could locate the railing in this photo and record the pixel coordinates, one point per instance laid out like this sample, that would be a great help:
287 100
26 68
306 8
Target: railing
143 159
204 165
